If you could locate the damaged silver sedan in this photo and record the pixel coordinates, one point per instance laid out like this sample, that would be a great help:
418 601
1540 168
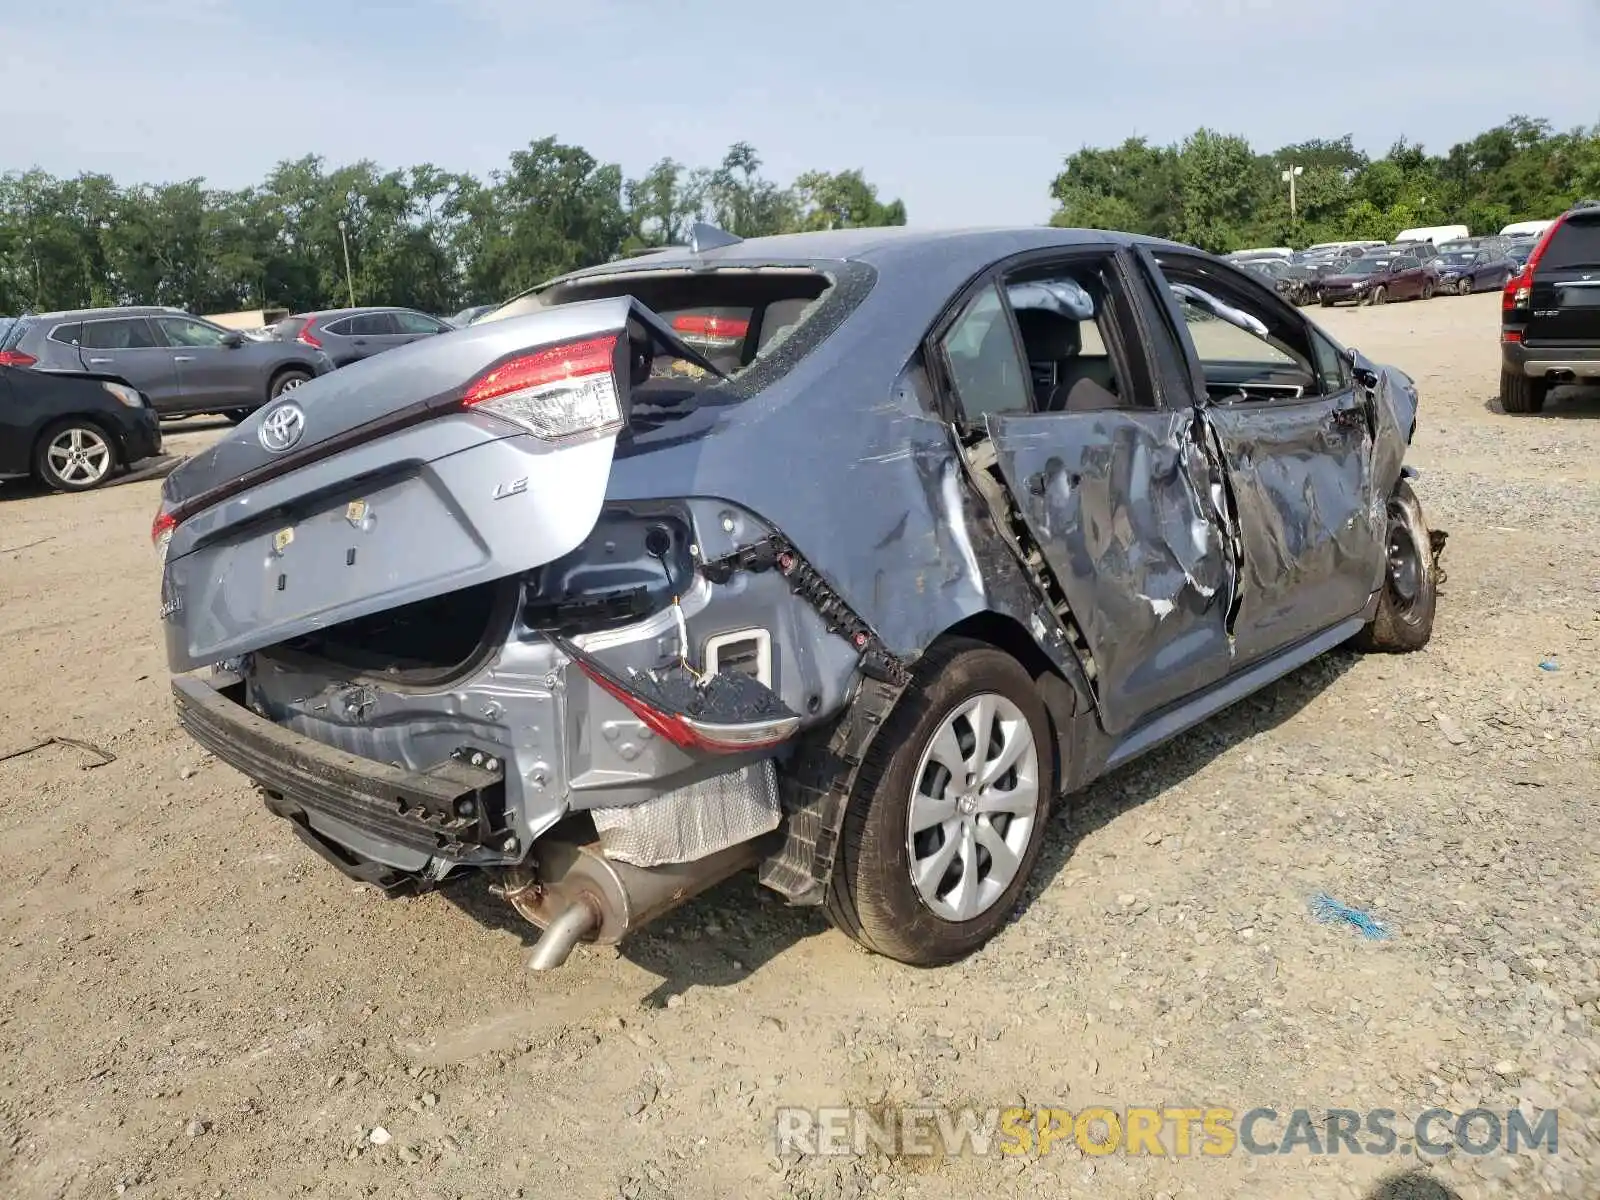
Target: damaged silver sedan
836 556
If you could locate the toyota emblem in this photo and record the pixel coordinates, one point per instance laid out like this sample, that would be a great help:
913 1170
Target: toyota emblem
282 428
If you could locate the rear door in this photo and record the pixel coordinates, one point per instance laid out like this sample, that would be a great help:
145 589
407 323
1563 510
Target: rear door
371 333
131 349
210 373
1296 434
1114 488
1566 285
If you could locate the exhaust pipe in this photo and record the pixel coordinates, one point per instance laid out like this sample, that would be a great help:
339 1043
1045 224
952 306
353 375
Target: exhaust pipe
575 893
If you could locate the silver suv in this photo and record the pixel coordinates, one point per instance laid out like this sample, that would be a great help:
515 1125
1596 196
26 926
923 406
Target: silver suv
185 365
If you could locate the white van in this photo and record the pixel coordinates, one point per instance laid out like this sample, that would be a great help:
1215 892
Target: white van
1434 234
1525 228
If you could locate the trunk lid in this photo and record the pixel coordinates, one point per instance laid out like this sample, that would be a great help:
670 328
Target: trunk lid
450 462
1565 301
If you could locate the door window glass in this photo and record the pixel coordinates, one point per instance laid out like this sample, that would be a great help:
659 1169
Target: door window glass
181 331
411 322
129 334
370 325
982 356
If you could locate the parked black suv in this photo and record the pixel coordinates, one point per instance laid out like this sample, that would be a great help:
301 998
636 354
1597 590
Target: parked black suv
1550 313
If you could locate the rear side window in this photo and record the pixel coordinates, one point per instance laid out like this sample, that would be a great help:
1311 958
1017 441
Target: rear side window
129 334
369 325
981 355
1576 243
69 335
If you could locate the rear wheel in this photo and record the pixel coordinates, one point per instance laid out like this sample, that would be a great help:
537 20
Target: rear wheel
74 456
1464 286
1427 290
1379 295
287 381
949 810
1404 620
234 415
1520 395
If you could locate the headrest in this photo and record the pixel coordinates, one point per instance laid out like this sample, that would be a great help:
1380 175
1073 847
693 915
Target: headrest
1048 335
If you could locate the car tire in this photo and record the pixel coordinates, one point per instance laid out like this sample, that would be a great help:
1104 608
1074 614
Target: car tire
235 415
286 381
1379 295
1410 596
1427 290
1464 286
74 455
1520 395
873 895
1325 302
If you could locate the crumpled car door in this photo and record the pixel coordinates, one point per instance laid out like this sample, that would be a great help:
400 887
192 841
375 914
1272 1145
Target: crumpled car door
1126 509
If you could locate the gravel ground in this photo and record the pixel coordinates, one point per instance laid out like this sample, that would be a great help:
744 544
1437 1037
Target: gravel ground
197 1006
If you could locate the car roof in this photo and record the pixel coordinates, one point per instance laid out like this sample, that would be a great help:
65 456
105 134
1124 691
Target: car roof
351 312
902 246
83 314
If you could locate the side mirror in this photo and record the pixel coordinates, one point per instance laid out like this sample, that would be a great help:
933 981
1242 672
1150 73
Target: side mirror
233 339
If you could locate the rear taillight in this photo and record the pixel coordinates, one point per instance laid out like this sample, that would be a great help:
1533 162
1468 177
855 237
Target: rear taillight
686 733
306 337
717 333
1519 288
558 393
161 532
16 358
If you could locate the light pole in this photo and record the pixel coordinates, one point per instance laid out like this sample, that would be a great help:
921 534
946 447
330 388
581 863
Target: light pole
1289 175
349 279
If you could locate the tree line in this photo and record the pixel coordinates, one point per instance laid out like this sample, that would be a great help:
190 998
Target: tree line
1215 191
419 236
437 240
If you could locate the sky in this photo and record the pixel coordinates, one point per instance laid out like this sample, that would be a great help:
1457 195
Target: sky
963 109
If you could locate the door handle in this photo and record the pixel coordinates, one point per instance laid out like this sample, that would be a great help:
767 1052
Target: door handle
183 358
361 341
100 361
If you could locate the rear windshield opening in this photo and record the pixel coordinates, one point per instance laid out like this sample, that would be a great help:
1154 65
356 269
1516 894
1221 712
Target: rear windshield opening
753 324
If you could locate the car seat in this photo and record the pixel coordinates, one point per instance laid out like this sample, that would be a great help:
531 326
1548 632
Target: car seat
1064 379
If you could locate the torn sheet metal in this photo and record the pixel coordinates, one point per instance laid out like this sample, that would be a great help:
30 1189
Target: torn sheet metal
1122 507
1301 476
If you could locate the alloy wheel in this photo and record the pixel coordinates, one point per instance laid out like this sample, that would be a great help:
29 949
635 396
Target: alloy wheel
79 456
974 807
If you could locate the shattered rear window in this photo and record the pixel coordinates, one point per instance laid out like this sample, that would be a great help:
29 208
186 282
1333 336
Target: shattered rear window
755 323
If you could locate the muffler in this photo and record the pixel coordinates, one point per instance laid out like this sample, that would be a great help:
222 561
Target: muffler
576 894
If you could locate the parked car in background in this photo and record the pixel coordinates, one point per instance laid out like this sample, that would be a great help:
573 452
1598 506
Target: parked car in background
1424 251
1467 267
1243 256
1377 279
71 432
561 598
1305 272
1328 247
1550 314
184 365
348 335
1530 229
1519 248
468 315
1434 233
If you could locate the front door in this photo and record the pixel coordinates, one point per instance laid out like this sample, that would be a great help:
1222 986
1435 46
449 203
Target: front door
1114 489
1295 432
210 372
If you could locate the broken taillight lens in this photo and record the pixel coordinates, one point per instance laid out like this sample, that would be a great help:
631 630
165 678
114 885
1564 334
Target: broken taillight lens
558 393
686 733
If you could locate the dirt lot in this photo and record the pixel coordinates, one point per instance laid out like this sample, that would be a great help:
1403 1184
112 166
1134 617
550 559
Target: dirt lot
195 1005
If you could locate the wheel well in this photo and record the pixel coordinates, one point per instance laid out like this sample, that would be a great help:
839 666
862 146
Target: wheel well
113 439
287 369
1010 636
